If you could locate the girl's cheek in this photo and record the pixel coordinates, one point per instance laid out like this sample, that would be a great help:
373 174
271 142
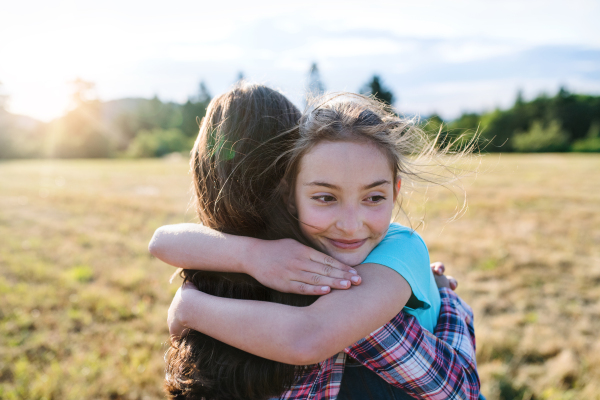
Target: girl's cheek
380 221
318 218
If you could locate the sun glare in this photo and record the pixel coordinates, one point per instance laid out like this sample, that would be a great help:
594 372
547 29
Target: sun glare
40 65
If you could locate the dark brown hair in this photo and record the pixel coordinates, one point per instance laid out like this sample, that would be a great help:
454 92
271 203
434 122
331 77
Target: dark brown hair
237 165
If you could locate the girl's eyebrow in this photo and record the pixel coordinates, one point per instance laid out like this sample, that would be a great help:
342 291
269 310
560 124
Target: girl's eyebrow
332 186
377 183
324 184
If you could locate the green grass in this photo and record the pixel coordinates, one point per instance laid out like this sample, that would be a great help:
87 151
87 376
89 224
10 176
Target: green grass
83 305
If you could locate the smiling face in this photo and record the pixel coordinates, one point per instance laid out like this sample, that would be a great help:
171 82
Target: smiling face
344 197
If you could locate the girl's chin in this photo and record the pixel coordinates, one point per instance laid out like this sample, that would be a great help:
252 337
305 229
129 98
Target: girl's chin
350 259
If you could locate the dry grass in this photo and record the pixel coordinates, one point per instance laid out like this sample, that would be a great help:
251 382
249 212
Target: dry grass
527 256
83 305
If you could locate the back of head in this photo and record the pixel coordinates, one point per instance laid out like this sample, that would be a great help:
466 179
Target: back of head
235 160
237 165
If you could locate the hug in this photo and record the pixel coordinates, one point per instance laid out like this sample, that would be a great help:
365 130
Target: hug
296 285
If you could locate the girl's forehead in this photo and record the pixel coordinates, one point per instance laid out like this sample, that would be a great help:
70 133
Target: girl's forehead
345 162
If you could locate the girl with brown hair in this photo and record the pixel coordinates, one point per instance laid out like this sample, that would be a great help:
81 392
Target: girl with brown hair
296 183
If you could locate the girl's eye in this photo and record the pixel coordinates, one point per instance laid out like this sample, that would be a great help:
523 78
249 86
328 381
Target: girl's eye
324 198
375 199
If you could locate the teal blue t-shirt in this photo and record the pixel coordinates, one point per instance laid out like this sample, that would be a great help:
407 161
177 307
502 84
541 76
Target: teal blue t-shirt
403 250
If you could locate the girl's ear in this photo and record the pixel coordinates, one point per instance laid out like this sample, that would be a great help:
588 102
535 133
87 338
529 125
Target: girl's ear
397 187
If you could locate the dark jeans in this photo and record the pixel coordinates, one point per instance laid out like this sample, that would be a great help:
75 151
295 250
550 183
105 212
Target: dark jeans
360 383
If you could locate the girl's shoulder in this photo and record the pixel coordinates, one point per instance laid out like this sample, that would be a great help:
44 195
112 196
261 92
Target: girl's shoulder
400 235
401 248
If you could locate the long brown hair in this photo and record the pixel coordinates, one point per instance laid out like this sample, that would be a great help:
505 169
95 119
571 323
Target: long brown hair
237 165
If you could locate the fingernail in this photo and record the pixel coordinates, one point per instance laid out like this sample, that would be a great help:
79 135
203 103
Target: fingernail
345 283
353 271
325 288
355 279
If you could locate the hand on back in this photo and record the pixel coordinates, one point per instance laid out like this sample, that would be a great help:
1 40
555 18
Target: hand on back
442 280
291 267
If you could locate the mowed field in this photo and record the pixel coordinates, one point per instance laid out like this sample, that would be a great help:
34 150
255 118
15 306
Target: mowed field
83 305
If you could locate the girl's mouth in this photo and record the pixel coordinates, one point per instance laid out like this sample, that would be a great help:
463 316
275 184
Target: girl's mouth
347 244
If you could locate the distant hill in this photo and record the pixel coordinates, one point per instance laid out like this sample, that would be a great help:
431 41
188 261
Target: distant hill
20 122
113 108
103 129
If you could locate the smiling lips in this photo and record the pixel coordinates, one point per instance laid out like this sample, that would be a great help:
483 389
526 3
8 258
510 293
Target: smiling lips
347 244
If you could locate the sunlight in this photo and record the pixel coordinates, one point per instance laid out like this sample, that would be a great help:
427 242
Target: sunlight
54 57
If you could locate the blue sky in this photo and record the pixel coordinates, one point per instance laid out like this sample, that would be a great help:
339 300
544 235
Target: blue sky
436 56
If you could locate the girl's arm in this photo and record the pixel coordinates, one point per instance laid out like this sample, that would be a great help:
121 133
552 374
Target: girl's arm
295 335
284 265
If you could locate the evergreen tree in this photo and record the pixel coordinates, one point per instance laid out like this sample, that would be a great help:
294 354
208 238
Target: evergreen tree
194 110
315 86
519 101
203 95
376 88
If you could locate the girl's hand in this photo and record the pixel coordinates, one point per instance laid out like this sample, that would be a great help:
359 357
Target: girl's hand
291 267
441 280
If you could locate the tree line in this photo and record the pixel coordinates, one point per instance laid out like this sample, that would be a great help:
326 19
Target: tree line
561 123
133 127
138 127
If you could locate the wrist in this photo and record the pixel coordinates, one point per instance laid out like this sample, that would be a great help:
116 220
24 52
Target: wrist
248 256
190 312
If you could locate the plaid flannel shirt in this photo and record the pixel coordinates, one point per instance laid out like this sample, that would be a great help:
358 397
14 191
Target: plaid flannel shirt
427 366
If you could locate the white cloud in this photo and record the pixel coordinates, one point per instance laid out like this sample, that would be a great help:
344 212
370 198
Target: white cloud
205 52
461 51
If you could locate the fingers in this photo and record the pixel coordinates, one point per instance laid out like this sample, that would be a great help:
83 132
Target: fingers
441 281
324 259
453 282
319 274
438 268
316 279
308 289
331 272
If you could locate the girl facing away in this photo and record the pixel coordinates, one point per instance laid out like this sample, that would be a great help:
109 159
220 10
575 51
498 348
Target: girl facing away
333 184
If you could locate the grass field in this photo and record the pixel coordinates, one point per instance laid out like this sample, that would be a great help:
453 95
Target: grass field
83 305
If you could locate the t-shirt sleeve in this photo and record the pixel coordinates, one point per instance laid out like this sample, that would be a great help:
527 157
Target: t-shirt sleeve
404 251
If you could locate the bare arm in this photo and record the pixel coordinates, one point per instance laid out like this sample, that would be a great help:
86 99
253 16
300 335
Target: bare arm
194 246
284 265
296 335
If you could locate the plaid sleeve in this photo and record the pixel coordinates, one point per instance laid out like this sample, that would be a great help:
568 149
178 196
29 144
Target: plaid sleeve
426 366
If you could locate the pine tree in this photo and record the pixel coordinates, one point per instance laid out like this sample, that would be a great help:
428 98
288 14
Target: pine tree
375 88
315 85
203 95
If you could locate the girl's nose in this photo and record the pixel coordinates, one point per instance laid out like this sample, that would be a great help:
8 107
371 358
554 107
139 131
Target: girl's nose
349 221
